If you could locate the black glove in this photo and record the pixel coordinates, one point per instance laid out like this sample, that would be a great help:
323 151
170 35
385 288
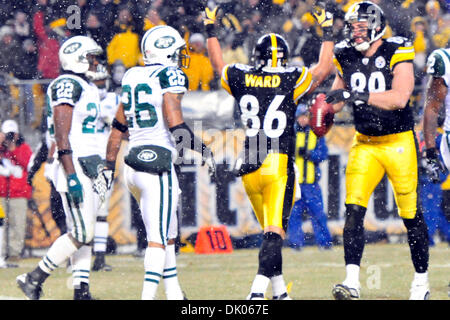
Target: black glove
342 95
433 165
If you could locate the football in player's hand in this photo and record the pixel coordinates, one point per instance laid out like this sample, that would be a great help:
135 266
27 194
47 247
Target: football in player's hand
321 115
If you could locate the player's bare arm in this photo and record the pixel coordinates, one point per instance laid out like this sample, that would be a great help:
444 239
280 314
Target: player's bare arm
63 122
402 88
434 99
119 127
172 109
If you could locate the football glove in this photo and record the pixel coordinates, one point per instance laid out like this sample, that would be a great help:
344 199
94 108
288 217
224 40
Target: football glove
75 189
324 20
433 165
209 21
342 95
103 183
208 159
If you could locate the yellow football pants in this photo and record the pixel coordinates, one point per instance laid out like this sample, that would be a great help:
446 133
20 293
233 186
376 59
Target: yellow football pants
371 157
271 190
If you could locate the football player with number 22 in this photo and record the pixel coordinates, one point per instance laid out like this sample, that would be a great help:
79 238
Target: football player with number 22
267 93
375 77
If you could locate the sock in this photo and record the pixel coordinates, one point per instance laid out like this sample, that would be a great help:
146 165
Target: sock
81 265
354 234
270 258
60 251
278 285
170 278
101 234
418 242
352 278
154 265
420 278
260 284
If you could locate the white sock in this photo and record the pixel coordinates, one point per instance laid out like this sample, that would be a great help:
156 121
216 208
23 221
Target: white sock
352 278
278 285
60 251
154 265
260 284
170 278
421 277
101 236
81 265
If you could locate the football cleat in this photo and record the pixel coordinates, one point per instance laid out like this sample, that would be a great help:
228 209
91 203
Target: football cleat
31 289
255 296
5 265
283 296
419 291
82 293
343 292
100 264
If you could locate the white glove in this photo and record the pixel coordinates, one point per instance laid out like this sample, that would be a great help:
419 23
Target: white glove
15 171
103 183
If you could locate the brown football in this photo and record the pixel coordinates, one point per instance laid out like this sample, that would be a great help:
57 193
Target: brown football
321 115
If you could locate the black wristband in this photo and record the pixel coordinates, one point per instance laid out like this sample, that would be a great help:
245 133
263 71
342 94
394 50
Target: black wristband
361 96
111 165
64 152
211 31
328 34
119 126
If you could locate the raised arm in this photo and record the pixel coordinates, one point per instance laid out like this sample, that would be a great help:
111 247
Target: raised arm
212 43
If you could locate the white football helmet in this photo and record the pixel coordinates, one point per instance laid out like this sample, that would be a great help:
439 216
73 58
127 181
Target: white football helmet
74 52
164 45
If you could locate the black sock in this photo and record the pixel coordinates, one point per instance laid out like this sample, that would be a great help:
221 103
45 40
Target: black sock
38 275
354 234
418 241
270 260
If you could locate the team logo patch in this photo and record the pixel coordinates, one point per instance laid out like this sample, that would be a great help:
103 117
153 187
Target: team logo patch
71 48
164 42
147 155
380 62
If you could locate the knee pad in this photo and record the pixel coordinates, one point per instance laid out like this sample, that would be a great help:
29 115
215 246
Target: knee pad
270 260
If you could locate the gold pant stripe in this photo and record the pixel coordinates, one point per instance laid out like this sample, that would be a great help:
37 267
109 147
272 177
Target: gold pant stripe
271 190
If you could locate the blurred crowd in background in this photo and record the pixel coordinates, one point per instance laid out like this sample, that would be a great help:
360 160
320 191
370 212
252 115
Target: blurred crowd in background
31 32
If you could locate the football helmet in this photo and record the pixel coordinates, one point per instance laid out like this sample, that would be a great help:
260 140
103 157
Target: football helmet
271 50
75 53
365 11
164 45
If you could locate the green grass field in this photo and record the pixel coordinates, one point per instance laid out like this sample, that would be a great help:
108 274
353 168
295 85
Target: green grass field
386 274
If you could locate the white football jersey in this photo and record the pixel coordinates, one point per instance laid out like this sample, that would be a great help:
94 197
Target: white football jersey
142 97
83 96
438 65
108 108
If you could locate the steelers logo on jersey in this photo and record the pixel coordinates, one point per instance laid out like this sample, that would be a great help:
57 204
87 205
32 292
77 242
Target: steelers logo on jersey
380 62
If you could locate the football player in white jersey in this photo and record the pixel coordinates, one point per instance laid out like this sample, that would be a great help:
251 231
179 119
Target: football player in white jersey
150 112
109 102
437 95
73 108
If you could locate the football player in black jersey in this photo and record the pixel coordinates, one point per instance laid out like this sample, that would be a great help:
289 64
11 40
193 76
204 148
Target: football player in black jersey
267 93
375 76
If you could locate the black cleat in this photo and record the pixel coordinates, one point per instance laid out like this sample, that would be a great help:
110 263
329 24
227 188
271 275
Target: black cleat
82 293
100 264
31 289
342 292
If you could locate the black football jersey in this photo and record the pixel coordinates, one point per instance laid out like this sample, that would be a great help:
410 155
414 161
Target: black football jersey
375 74
267 101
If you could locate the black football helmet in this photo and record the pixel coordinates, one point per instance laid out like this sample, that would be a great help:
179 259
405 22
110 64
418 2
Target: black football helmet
271 50
365 11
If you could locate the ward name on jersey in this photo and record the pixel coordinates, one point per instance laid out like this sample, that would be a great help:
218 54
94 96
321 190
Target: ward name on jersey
375 74
142 97
267 114
83 96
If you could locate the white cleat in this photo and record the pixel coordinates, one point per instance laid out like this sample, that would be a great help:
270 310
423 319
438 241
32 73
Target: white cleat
419 291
